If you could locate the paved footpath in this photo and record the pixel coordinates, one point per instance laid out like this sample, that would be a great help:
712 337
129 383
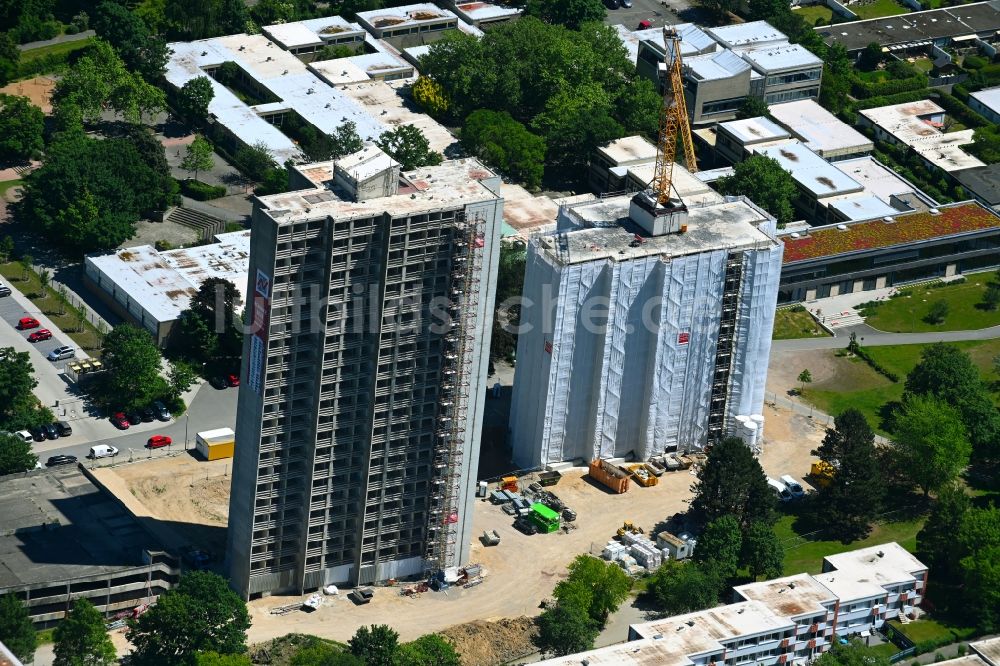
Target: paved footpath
61 39
875 338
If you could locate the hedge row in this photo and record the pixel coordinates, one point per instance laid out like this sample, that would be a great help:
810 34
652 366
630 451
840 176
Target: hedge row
898 98
958 109
864 89
200 191
863 354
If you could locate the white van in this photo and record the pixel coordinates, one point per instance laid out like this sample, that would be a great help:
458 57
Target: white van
779 489
25 435
102 451
794 487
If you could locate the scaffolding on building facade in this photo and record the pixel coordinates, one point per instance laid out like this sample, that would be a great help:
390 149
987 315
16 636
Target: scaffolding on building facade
725 347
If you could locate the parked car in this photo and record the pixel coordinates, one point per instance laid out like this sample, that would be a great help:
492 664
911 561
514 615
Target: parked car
61 353
794 487
645 24
525 525
612 4
24 323
40 334
162 413
64 428
779 490
134 418
120 420
158 441
627 4
4 289
25 435
60 460
38 433
102 451
148 414
51 431
232 380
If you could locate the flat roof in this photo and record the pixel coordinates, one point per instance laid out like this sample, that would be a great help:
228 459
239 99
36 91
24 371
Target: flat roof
56 525
311 32
753 34
485 11
781 57
818 129
877 179
715 66
829 241
409 15
862 208
686 186
982 182
916 27
989 97
629 150
694 40
988 649
164 282
367 162
812 172
791 596
754 130
450 184
385 101
527 214
907 124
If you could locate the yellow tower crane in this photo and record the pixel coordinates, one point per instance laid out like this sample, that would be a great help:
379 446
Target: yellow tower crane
673 120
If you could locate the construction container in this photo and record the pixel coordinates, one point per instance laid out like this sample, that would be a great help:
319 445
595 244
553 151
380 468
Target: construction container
675 546
549 478
546 519
216 444
609 475
643 474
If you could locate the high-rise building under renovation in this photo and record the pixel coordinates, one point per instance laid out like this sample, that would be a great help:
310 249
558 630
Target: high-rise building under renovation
357 435
644 328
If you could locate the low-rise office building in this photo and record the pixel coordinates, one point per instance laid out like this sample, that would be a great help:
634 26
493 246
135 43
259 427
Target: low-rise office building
610 164
736 140
888 251
820 131
982 183
986 103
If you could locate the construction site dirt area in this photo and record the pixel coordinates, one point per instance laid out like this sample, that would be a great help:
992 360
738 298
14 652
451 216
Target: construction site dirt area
186 499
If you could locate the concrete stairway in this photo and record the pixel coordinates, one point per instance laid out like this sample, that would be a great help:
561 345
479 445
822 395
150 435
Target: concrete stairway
206 225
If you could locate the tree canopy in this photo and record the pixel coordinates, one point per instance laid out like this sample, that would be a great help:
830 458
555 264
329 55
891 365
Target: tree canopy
505 144
599 586
375 645
930 443
732 482
139 49
570 13
762 180
428 650
855 653
208 331
19 408
407 145
565 629
22 128
16 630
683 587
936 539
853 497
198 156
719 546
16 455
193 99
200 614
81 639
133 365
762 553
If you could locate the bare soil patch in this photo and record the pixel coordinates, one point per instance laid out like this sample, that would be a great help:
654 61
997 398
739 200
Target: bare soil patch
38 90
485 643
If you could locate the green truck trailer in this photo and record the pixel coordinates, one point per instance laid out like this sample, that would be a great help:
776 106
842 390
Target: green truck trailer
546 519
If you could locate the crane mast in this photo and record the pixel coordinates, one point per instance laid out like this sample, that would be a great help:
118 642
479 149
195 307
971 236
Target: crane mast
673 120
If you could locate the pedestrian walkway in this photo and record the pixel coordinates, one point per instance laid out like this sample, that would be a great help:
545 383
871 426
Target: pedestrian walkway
61 39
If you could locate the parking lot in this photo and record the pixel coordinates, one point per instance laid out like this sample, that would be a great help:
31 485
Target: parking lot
654 11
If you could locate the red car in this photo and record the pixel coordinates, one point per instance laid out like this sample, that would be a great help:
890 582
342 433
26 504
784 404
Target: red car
24 323
158 441
40 334
120 421
233 380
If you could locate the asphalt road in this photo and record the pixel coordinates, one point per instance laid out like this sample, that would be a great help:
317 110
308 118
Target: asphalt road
674 12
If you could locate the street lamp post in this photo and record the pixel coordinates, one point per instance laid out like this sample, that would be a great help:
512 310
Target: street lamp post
187 420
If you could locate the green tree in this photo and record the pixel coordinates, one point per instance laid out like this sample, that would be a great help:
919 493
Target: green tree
719 8
428 650
6 249
198 19
870 57
132 363
982 587
805 377
732 482
19 408
605 584
930 443
936 539
764 10
10 56
854 496
320 653
213 658
945 371
407 145
505 144
937 313
684 587
376 645
180 377
200 614
762 553
16 455
198 156
255 161
22 126
565 629
855 653
345 140
575 122
638 108
762 180
99 79
430 96
720 545
193 99
81 638
570 13
140 50
16 630
991 297
752 107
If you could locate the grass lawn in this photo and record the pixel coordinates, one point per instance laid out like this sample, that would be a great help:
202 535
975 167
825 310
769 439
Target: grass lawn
811 13
905 314
919 631
804 554
886 650
925 65
7 184
51 305
877 8
45 636
796 323
857 385
64 48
